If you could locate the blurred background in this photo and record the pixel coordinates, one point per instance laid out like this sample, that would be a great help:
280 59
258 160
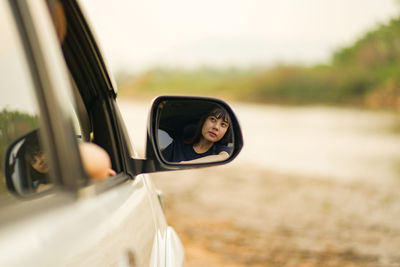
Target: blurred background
316 87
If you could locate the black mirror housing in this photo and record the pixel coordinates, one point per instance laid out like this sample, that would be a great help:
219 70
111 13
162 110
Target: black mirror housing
23 179
174 117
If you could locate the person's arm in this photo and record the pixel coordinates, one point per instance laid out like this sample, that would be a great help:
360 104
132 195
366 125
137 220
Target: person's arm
223 155
96 161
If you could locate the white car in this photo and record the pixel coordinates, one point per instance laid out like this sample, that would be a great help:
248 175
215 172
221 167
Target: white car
57 95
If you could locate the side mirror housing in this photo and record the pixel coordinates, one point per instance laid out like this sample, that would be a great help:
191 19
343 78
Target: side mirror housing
24 178
190 132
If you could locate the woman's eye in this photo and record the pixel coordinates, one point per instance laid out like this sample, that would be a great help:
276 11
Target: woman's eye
213 119
224 125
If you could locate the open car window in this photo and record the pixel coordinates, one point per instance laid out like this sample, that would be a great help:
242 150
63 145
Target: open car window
92 87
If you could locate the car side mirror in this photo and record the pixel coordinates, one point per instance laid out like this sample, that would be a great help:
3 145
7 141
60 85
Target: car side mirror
188 132
25 176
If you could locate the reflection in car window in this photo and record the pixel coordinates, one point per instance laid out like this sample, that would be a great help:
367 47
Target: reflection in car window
19 118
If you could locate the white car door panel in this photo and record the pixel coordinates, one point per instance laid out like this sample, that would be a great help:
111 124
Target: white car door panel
93 231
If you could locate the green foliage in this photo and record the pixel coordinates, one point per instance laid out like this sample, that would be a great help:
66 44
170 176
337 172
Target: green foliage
363 74
204 81
378 47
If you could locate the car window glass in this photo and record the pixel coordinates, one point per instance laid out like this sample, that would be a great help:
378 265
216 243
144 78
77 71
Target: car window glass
22 153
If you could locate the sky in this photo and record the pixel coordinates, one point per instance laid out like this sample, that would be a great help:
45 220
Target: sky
136 35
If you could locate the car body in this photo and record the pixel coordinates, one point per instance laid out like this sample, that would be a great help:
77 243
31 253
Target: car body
55 84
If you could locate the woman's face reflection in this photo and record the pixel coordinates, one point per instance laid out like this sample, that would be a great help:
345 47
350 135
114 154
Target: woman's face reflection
214 129
39 162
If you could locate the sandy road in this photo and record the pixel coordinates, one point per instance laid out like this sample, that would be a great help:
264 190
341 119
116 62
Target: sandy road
312 187
237 218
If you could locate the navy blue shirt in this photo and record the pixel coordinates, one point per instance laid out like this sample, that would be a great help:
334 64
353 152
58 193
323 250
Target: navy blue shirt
178 151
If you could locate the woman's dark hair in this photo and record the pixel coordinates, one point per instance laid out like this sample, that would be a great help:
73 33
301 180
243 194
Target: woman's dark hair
219 113
31 146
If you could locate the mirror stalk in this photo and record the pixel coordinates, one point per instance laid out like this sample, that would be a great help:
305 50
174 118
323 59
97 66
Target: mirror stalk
143 166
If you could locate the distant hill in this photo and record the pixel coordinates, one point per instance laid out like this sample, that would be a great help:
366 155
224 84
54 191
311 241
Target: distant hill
365 74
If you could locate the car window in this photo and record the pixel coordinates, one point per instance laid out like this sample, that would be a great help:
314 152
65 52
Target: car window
22 151
92 87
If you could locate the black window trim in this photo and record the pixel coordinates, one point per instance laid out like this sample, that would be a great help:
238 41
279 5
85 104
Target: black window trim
102 84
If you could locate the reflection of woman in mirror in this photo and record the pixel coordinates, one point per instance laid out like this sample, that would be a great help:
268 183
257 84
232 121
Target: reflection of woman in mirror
37 161
208 143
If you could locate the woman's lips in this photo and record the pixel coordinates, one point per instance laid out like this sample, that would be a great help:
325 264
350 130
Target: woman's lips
212 134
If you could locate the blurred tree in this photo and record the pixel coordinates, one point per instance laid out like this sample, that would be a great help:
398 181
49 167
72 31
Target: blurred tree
362 74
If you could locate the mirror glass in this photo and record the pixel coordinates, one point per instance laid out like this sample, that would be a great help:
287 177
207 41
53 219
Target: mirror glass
193 131
26 166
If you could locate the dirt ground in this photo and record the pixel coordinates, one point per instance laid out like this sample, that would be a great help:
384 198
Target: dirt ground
237 215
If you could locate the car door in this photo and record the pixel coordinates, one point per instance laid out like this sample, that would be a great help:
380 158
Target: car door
116 222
